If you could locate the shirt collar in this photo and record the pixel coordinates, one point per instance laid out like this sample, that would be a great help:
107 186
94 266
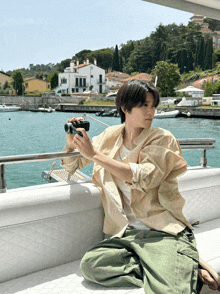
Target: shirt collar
142 136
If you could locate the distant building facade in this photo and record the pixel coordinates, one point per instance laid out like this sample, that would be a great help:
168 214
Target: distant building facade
5 77
79 78
35 85
114 80
205 30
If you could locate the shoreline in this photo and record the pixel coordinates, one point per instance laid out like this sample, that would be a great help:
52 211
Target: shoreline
34 103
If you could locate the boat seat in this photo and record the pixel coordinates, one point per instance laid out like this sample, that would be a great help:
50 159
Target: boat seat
46 229
67 278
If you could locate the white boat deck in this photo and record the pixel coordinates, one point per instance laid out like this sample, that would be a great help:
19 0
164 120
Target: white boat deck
65 279
45 233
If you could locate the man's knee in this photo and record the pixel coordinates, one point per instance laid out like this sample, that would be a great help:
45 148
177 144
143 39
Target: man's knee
88 267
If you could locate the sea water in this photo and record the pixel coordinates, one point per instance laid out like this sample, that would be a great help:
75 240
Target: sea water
35 132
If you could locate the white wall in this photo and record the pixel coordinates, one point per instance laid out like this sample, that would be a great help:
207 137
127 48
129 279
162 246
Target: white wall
90 72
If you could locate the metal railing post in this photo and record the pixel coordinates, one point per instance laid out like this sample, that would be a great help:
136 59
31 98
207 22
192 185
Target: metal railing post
204 158
3 186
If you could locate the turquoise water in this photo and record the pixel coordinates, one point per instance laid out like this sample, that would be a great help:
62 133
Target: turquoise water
35 132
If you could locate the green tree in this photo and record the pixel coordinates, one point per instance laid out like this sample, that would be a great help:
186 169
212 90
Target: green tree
82 55
6 85
183 61
53 78
140 59
18 81
217 55
216 87
200 53
214 24
159 45
190 61
115 60
125 52
208 89
168 78
63 64
103 56
208 54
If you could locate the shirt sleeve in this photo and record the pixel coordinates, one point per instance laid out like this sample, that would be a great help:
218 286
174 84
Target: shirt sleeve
71 165
156 164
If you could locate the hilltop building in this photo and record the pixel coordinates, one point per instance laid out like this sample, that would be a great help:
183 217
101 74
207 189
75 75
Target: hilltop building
35 85
205 30
79 78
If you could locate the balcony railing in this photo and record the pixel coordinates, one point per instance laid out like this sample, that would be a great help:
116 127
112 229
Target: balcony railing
186 144
100 82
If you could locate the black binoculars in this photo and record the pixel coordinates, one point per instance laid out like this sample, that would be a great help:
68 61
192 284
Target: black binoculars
70 128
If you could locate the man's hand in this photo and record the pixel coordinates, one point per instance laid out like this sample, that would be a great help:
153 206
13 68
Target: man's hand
83 144
207 279
69 137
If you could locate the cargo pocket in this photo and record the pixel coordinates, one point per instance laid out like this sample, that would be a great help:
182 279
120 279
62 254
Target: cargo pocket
187 269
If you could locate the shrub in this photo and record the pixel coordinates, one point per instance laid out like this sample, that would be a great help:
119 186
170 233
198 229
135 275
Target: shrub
65 94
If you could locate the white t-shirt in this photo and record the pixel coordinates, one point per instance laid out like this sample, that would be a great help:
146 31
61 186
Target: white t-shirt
123 152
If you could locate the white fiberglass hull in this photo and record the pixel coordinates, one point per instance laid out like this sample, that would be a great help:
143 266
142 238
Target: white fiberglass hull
9 108
168 114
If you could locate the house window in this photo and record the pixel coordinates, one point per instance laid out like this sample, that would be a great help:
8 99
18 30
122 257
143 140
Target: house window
77 82
26 85
91 76
77 90
84 89
84 82
63 81
100 79
73 90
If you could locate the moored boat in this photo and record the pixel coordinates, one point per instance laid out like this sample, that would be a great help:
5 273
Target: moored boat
166 114
4 108
111 113
43 109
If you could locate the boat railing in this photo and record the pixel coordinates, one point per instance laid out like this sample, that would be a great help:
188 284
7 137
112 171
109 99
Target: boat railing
186 144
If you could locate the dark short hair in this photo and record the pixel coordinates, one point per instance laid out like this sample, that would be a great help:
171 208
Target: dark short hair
133 93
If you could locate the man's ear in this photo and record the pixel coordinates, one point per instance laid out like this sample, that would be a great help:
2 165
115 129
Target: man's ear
123 109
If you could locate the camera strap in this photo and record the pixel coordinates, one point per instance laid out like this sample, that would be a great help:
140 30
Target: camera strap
85 114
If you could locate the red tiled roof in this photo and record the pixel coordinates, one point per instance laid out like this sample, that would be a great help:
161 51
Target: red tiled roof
141 76
201 83
117 75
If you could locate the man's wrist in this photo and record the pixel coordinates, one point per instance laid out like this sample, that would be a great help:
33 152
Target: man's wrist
68 148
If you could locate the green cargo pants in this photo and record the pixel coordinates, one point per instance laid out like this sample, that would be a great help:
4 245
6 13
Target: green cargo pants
160 262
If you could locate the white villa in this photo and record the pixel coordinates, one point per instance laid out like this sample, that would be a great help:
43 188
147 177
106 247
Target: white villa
79 78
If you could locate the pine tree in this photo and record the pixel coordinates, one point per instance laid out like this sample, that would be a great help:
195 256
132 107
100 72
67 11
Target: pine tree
18 81
183 61
190 61
200 53
115 60
208 54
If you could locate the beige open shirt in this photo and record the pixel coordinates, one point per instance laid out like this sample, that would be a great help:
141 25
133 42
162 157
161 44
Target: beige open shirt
156 161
